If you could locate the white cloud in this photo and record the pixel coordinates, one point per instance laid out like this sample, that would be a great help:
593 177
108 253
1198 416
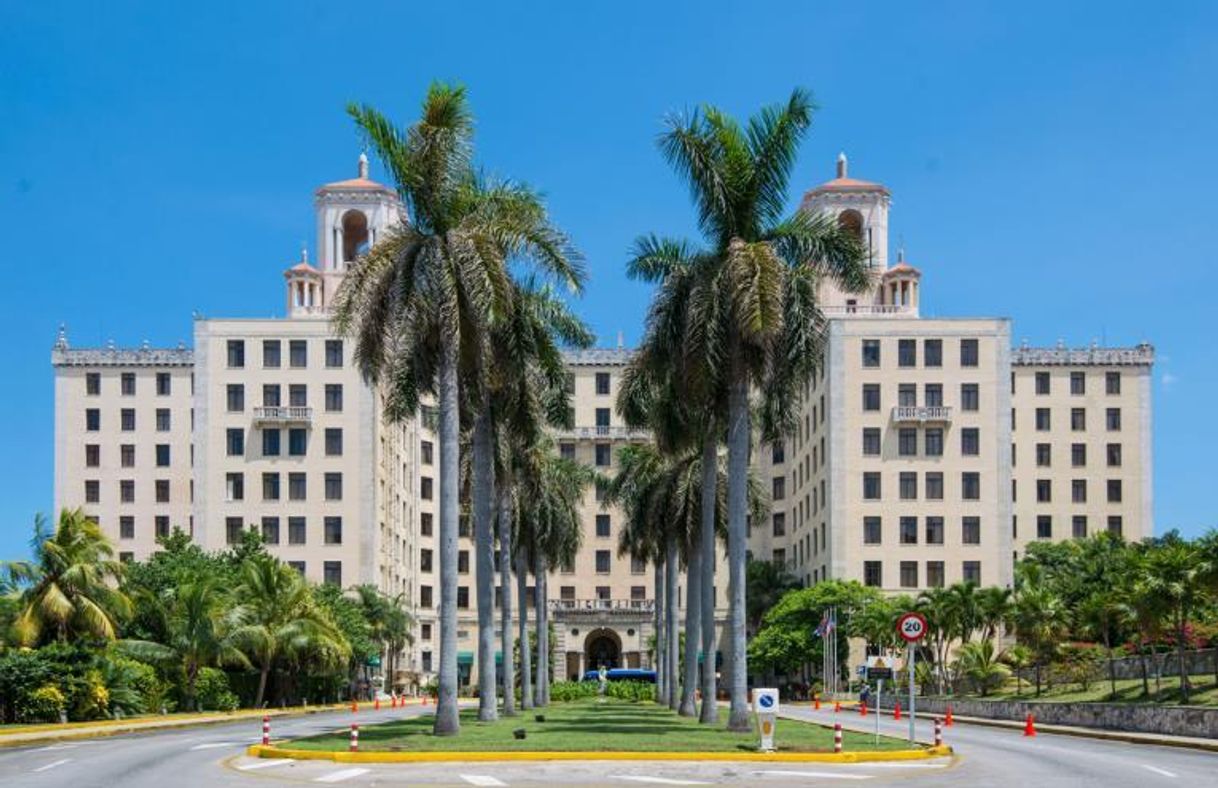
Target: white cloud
1168 380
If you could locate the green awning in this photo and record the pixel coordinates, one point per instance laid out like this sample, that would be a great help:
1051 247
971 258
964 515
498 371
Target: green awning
498 657
465 657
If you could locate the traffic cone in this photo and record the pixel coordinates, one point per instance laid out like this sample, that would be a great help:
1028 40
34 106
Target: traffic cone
424 700
376 704
1029 726
816 701
896 711
947 721
837 706
863 709
354 707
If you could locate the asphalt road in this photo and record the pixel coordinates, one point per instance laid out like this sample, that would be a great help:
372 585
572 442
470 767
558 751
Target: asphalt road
214 756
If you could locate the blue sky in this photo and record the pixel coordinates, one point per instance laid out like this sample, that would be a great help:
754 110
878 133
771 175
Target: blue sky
1050 162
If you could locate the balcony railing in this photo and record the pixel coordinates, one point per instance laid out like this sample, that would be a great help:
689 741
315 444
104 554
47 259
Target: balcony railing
867 310
603 433
921 413
283 415
603 605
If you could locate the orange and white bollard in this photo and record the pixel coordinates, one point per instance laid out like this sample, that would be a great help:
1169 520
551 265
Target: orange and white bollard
266 731
938 733
354 737
837 737
896 710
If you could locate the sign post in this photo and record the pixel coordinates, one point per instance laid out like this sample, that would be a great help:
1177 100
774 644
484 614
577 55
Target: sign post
878 669
912 628
765 706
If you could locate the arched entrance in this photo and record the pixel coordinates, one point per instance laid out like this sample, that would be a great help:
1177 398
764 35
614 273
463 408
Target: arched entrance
602 647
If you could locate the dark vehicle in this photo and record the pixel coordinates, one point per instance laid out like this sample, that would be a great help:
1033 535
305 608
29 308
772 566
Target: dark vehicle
623 674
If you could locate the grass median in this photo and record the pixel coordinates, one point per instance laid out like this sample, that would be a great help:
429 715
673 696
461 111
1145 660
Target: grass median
590 725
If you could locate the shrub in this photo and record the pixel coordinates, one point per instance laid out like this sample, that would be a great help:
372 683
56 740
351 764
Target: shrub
212 691
634 691
44 704
20 672
561 691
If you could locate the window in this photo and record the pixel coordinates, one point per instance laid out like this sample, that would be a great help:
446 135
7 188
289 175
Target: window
970 397
334 353
425 523
126 527
1042 382
871 441
92 419
779 557
972 572
298 353
1113 419
1078 419
1114 491
297 531
270 530
970 486
463 562
1042 419
778 452
907 395
332 573
934 486
567 451
638 593
871 396
909 530
233 529
234 486
235 396
969 353
779 487
235 440
871 486
871 352
270 486
126 491
603 455
334 486
333 530
872 530
162 455
603 525
427 452
932 351
779 523
1078 383
602 562
163 384
907 442
299 566
270 353
602 383
908 486
1044 490
909 574
1114 455
933 392
1112 382
297 486
1078 526
127 416
970 530
126 455
92 455
934 442
462 597
298 395
92 491
425 601
162 419
970 441
1078 490
236 354
637 566
873 573
334 441
934 574
270 443
1078 455
934 530
1044 526
425 488
602 421
298 440
92 383
1044 455
425 560
1115 525
907 352
127 384
334 397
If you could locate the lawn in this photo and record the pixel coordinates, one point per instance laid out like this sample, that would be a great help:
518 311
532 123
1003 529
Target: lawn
591 725
1204 692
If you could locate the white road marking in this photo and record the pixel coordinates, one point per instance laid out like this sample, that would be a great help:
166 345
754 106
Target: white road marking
827 775
51 747
213 745
482 779
642 778
1157 770
52 765
264 763
338 777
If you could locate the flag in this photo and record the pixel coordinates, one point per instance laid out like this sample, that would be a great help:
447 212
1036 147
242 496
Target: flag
823 628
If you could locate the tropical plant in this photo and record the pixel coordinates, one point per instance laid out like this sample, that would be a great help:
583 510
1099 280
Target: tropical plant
1174 572
979 663
1040 622
1017 657
768 582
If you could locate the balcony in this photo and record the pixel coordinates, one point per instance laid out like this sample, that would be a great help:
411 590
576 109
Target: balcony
868 310
921 414
283 415
603 433
610 606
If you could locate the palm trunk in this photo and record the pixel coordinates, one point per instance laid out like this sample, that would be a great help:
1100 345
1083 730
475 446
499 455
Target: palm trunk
661 652
1145 676
505 583
483 493
262 676
541 686
526 655
1111 662
737 513
693 621
1181 623
710 497
447 722
673 639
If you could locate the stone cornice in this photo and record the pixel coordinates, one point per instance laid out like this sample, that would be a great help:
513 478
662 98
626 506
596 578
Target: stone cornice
122 357
1139 355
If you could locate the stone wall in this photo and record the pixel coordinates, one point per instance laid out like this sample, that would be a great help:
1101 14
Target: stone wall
1170 720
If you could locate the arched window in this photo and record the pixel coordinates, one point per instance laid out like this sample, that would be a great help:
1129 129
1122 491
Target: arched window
852 221
355 234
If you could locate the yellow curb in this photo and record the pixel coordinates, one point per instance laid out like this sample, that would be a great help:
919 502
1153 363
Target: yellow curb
259 751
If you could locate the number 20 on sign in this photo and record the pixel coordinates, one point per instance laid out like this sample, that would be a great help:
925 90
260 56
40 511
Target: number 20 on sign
912 626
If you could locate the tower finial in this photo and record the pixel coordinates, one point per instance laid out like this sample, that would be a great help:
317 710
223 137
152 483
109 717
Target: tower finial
304 253
61 340
363 165
841 164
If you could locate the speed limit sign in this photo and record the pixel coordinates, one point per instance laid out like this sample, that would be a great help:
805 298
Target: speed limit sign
911 626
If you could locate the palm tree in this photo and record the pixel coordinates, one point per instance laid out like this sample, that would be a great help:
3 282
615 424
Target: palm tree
418 302
389 622
1102 615
1018 657
276 618
759 325
768 582
1040 623
936 605
66 590
1174 573
979 662
993 605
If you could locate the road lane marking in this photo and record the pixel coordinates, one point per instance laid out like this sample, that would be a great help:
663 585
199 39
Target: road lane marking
642 778
1157 770
51 747
338 777
213 745
827 775
482 779
264 763
52 765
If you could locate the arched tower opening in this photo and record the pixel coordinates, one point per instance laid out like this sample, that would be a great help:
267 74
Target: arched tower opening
851 221
355 234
